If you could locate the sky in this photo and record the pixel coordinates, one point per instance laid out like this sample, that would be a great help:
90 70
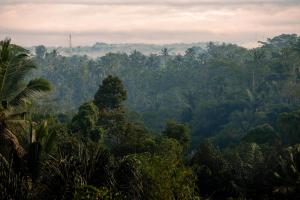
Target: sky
49 22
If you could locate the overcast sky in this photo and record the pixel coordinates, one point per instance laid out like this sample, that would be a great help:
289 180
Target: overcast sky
32 22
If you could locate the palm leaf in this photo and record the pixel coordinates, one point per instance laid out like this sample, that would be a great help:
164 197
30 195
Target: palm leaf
33 89
15 75
15 63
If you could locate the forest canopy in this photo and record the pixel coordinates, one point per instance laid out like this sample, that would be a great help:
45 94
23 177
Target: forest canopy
219 122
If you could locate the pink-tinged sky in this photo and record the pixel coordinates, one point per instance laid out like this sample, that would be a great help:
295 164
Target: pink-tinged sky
33 22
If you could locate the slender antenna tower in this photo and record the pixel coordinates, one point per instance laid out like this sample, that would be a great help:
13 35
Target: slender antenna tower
70 41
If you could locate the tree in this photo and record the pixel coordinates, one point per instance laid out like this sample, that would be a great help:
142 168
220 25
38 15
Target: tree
40 51
64 176
290 126
165 177
179 132
165 55
129 178
15 94
212 171
41 144
287 174
261 135
110 94
191 52
164 52
85 122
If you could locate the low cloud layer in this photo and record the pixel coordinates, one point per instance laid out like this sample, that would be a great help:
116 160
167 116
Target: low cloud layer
34 21
152 2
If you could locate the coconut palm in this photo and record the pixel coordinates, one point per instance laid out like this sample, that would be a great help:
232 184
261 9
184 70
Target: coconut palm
73 171
15 93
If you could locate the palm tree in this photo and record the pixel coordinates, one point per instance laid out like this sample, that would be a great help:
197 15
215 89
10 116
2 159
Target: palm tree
73 172
41 144
15 94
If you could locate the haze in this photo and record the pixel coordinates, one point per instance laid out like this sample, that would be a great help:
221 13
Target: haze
30 22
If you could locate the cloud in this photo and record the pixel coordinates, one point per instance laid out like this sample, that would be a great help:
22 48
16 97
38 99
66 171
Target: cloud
137 36
147 21
156 2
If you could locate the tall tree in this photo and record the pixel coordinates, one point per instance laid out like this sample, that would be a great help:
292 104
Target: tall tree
15 64
290 126
179 132
40 51
110 94
85 121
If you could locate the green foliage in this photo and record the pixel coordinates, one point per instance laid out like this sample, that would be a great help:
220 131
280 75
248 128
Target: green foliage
15 94
136 139
89 192
106 152
85 122
212 171
164 175
41 145
233 84
290 126
263 134
129 178
110 94
12 185
287 175
40 51
114 124
15 64
83 165
179 132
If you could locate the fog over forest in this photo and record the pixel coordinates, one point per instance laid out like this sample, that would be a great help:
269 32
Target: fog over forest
149 100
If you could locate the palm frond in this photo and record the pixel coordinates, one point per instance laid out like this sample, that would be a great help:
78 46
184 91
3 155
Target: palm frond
33 89
15 63
14 80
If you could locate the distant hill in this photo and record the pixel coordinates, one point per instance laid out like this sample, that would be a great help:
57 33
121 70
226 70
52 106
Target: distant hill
100 49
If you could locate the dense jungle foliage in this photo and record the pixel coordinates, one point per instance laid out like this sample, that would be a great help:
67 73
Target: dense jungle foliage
221 122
